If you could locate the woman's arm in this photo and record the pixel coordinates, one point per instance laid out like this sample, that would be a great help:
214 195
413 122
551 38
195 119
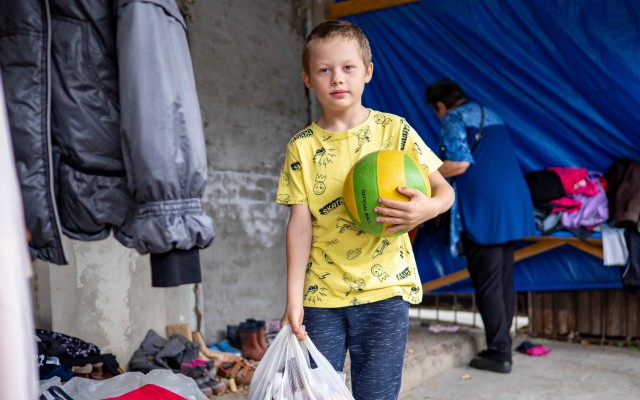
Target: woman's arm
453 168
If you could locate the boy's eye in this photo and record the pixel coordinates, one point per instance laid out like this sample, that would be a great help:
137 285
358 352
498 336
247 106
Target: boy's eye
348 67
324 70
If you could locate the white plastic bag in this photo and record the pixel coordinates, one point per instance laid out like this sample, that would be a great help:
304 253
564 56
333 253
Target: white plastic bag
89 389
285 373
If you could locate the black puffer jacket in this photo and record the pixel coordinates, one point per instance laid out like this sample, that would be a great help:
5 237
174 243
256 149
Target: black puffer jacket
106 128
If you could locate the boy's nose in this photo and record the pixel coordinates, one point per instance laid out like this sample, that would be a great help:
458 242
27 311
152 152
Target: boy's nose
337 79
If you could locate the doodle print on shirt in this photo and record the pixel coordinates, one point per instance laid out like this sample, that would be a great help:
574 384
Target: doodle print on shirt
304 134
356 302
405 135
381 119
327 258
414 293
331 206
363 136
283 198
357 285
404 274
323 156
380 249
402 252
387 144
344 225
314 294
331 243
379 272
353 253
284 178
296 166
319 187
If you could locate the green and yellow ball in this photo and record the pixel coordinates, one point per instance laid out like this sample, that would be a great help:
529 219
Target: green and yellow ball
376 175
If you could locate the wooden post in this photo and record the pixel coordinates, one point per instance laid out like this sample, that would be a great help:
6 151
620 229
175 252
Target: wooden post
352 7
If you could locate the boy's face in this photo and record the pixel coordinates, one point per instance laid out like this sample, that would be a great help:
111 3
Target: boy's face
337 74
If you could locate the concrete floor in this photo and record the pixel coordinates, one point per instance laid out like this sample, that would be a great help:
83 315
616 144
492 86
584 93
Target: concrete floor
569 371
436 368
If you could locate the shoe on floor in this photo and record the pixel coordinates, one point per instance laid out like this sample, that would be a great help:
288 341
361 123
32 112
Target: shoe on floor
488 364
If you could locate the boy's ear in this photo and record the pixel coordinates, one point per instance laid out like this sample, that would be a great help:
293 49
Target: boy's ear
369 74
307 81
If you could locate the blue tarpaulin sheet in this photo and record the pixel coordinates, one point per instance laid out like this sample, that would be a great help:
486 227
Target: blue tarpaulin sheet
563 74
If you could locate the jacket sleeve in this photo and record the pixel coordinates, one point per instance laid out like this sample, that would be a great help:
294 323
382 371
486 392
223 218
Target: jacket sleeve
162 139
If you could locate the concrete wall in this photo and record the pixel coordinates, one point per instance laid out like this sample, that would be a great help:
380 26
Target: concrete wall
246 57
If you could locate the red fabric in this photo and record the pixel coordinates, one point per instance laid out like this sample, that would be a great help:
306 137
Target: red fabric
148 392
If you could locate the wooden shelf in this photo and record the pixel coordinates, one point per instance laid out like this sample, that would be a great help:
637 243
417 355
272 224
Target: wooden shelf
540 244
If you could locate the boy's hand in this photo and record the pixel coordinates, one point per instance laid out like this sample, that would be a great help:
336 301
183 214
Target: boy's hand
293 315
406 214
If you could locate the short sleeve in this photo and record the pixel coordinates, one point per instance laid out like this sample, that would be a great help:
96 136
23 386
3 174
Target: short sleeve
453 139
418 149
291 189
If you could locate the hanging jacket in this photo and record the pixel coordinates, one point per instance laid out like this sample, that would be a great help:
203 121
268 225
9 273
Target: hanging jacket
623 193
106 128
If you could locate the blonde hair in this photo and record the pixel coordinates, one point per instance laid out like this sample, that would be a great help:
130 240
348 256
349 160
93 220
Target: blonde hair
332 29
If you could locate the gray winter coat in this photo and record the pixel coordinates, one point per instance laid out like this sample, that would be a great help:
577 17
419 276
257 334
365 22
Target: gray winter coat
106 128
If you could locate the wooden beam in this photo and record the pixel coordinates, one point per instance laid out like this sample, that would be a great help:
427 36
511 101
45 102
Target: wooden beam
540 245
445 280
536 248
352 7
588 248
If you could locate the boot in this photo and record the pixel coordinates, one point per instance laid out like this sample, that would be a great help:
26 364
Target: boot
96 372
250 347
262 333
232 336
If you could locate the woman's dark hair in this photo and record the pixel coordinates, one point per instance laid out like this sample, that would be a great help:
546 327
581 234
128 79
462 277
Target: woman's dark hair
445 91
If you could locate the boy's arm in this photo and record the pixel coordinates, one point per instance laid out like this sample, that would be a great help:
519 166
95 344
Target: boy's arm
419 208
299 230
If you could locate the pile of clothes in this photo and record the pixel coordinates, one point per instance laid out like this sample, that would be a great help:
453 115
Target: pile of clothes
583 202
65 356
565 198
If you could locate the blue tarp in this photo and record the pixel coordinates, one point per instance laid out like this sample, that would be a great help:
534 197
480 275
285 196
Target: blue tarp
563 74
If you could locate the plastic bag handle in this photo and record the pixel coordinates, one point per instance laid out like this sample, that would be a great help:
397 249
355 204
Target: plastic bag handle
58 393
313 351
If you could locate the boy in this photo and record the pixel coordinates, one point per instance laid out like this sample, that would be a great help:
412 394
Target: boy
346 289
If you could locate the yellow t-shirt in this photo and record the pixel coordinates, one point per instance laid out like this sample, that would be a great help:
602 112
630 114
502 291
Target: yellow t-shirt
348 266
